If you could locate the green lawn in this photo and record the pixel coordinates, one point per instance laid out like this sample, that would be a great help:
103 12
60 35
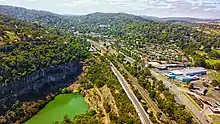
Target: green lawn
201 48
218 51
11 35
63 104
213 62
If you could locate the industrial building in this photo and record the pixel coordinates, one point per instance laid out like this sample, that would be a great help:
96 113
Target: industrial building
187 74
163 66
190 71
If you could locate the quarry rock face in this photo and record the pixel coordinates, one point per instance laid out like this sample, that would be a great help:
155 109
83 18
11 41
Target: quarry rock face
39 84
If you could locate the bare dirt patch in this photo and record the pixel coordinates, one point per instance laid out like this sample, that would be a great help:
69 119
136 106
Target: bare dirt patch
107 95
74 87
101 100
2 43
95 102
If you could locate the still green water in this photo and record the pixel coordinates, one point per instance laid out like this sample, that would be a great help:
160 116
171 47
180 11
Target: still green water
55 110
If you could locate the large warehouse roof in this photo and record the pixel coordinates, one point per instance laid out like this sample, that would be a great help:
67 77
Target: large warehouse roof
188 71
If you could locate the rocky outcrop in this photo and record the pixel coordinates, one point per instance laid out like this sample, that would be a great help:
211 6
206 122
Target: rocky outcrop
39 84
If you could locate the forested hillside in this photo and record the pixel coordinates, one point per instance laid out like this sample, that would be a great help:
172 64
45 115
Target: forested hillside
32 46
42 17
14 31
40 54
35 62
132 29
70 22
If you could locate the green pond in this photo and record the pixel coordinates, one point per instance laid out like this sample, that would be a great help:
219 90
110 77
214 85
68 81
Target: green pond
55 110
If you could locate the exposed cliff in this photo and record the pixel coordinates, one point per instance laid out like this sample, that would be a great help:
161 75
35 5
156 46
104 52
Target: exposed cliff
39 84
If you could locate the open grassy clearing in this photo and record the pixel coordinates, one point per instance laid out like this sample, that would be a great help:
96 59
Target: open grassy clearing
213 75
11 35
212 62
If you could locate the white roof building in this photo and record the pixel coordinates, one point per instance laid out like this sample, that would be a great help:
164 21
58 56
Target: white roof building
190 71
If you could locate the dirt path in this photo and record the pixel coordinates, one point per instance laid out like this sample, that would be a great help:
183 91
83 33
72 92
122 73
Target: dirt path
106 120
107 95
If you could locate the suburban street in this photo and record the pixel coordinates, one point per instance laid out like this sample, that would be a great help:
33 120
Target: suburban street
181 97
139 108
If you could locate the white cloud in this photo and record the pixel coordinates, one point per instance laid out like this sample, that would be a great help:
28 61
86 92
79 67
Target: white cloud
203 8
31 0
78 3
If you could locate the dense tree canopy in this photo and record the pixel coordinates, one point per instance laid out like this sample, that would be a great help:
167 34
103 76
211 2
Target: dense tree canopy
30 47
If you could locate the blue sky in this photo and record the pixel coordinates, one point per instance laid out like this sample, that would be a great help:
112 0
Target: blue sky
160 8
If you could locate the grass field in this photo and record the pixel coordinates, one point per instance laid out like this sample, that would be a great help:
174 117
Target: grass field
11 35
63 104
201 48
213 74
212 62
218 77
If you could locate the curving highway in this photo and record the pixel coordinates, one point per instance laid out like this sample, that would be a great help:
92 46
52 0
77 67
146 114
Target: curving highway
139 108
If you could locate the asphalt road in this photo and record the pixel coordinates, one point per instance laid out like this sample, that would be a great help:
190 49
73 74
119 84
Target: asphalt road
139 108
173 88
179 96
145 95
